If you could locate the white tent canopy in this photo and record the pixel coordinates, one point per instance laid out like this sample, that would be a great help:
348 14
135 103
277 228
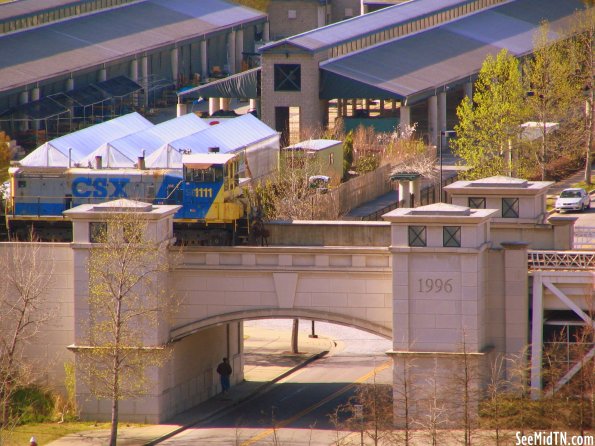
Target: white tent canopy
260 142
124 152
165 157
78 145
121 141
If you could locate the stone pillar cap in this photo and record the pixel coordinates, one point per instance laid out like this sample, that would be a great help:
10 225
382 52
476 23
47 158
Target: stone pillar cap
561 221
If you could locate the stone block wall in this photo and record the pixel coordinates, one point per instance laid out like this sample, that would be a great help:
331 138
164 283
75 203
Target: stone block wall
306 17
311 108
47 349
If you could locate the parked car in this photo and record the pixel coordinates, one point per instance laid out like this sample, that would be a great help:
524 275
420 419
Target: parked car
574 199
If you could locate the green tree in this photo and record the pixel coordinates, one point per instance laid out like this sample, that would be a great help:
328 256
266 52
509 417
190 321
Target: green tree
128 300
551 93
489 125
347 152
5 157
582 54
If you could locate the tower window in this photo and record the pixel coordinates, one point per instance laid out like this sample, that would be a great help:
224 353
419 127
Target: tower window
288 77
417 236
451 236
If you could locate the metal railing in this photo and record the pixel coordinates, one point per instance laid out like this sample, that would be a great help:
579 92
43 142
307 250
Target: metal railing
561 260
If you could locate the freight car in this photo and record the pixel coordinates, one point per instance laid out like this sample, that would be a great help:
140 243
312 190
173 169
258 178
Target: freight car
207 187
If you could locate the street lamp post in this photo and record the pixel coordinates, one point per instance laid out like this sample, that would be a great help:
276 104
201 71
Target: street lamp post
443 133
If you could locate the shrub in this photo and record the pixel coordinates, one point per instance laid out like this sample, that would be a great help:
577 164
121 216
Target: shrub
32 404
559 168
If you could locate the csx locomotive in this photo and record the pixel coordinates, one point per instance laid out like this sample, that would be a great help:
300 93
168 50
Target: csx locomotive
207 187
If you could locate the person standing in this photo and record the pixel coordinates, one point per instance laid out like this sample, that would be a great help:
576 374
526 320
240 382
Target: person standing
224 370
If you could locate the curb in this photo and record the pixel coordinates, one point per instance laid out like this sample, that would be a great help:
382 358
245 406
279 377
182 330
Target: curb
240 401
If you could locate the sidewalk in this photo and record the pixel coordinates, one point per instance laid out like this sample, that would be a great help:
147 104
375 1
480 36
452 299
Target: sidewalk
267 360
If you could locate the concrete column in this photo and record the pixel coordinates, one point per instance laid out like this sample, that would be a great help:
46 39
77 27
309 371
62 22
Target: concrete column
175 67
266 32
181 109
224 103
239 49
433 120
415 190
204 60
102 75
468 87
405 116
325 111
134 77
516 301
339 108
344 106
134 69
214 105
255 105
35 94
442 111
145 78
69 84
404 196
24 97
231 51
537 335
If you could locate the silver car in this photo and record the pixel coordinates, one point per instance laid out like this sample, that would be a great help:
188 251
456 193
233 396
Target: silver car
575 199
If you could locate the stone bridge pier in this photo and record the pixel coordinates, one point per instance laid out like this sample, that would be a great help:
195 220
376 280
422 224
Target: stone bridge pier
440 258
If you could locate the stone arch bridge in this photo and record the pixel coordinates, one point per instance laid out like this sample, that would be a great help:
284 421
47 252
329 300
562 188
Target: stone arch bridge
425 277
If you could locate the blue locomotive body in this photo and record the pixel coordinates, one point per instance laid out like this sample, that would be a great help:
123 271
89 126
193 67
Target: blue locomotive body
207 188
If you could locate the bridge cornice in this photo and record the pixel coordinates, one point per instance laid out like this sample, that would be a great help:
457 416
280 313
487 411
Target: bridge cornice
295 259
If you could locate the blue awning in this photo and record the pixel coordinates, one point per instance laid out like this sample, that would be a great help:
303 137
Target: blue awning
242 85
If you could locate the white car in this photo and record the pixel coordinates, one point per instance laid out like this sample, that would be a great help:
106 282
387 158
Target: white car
575 199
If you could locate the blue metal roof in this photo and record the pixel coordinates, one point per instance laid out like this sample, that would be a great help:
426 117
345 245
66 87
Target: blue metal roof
414 66
91 40
359 26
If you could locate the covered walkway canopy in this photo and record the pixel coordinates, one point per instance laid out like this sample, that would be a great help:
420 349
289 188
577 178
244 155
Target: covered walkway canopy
44 108
242 85
413 67
119 87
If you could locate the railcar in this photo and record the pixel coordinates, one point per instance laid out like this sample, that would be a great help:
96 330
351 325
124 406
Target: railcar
207 187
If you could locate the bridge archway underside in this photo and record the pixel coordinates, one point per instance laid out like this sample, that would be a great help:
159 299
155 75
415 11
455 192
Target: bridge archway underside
183 331
351 288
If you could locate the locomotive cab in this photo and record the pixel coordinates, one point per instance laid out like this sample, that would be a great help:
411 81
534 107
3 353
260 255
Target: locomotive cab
211 184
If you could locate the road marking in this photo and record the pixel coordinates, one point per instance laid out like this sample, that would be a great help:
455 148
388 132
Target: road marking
322 402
